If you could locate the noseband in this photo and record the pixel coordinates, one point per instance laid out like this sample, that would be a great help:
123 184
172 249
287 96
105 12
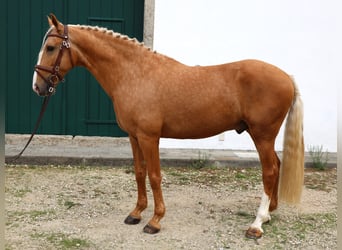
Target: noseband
55 77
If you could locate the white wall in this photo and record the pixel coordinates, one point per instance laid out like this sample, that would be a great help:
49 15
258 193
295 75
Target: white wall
301 37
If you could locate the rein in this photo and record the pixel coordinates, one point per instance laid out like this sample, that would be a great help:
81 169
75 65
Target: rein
42 110
51 80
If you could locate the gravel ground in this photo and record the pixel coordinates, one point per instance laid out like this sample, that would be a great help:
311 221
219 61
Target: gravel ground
62 207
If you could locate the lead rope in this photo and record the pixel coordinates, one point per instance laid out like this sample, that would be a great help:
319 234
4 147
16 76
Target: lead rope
42 110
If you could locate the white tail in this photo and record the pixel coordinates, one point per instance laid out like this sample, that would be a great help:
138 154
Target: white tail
292 166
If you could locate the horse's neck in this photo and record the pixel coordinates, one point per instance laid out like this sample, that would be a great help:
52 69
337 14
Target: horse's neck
110 58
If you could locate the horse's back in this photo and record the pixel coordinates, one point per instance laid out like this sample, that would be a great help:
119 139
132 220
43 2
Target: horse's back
249 85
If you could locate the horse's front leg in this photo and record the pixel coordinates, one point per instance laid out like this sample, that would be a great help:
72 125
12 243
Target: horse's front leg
150 150
140 175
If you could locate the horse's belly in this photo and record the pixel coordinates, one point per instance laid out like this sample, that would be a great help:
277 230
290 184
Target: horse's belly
195 129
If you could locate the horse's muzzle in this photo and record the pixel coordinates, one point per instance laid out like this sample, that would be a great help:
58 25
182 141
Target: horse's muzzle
44 90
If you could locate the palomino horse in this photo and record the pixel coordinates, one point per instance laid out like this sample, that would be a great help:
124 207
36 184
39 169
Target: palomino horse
155 96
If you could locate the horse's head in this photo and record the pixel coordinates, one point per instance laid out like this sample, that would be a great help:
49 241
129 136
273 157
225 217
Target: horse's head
53 63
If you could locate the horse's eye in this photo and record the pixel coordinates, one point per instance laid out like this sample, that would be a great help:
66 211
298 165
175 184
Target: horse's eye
50 48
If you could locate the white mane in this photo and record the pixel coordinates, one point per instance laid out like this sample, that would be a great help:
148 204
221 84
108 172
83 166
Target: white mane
111 33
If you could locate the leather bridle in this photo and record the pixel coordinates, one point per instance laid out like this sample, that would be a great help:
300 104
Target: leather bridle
55 77
52 80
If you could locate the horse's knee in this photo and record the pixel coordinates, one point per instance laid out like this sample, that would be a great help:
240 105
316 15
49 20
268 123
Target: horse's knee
155 181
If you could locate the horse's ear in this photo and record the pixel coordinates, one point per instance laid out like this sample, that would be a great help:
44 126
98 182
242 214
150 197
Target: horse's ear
54 22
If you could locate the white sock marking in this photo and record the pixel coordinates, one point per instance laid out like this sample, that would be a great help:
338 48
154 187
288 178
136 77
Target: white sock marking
263 214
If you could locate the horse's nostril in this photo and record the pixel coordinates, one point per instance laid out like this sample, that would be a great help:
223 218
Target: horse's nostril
36 88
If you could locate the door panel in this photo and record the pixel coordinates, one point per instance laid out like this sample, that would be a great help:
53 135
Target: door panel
80 106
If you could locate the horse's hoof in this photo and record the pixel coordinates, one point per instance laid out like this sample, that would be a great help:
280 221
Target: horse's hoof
253 233
130 220
150 229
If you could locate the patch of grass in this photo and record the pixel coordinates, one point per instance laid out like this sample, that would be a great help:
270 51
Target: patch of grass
20 193
34 214
130 170
201 162
318 180
70 204
177 176
243 214
240 175
233 178
280 229
63 241
318 157
74 242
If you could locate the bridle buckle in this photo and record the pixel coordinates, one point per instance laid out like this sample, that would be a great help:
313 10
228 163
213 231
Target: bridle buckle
66 43
51 90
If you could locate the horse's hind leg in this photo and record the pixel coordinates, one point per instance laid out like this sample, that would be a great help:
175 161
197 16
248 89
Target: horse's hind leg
270 176
140 175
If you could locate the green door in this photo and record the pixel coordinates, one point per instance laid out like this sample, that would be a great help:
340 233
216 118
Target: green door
80 106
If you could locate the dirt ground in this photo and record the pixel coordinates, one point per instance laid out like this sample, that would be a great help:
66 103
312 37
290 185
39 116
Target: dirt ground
63 207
